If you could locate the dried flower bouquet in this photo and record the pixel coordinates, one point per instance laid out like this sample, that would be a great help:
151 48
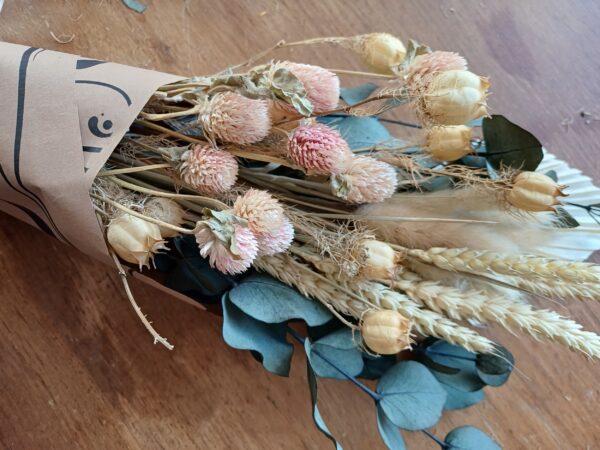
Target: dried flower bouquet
234 187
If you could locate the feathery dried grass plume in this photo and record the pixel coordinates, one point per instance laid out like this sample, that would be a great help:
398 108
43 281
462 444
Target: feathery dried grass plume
490 307
366 180
208 169
322 86
237 119
319 149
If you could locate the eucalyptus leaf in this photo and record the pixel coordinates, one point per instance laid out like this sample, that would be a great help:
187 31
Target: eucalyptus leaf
359 132
375 366
243 332
467 378
474 161
552 174
411 396
312 384
135 5
460 400
509 145
390 434
436 184
268 300
339 348
357 94
470 438
494 369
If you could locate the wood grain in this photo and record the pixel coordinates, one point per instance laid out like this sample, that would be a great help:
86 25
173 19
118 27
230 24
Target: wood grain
77 370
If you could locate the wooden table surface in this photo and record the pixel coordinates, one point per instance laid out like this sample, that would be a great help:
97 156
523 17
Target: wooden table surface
77 369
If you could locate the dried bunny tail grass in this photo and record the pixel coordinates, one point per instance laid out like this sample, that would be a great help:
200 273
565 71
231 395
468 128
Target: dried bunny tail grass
481 262
373 296
427 323
562 289
491 307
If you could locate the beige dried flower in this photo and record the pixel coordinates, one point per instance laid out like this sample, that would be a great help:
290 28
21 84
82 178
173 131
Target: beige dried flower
424 67
377 259
135 240
165 210
381 51
367 180
448 143
533 191
262 211
386 332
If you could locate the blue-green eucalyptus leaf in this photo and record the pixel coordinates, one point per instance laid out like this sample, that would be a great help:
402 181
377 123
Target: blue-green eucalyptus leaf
243 332
494 369
312 384
376 365
470 438
411 396
359 132
466 379
268 300
459 399
339 348
390 434
357 94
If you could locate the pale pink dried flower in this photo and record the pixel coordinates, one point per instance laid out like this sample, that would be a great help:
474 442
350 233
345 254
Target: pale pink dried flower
237 119
207 169
367 180
319 149
424 67
276 240
220 256
322 86
262 211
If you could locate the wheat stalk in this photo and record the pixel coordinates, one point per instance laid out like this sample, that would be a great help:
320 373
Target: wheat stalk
480 262
578 291
369 296
490 307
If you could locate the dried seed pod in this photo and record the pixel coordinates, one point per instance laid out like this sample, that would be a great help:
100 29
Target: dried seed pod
453 97
378 260
386 332
165 210
533 191
448 143
135 240
381 51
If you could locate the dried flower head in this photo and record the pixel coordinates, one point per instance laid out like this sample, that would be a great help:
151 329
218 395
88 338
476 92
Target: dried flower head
237 119
277 239
382 51
167 211
386 332
534 191
424 67
207 169
319 149
453 97
367 180
448 143
262 211
322 86
135 240
227 242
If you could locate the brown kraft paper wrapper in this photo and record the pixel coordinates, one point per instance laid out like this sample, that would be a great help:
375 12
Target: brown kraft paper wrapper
62 117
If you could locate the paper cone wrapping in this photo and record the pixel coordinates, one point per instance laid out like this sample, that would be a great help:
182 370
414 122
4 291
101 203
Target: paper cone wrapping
62 116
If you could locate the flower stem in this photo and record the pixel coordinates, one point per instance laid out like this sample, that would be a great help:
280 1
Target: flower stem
374 395
435 439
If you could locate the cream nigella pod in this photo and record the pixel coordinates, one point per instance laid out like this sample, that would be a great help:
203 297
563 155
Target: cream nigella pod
381 51
533 191
454 97
386 332
378 259
167 211
135 240
448 143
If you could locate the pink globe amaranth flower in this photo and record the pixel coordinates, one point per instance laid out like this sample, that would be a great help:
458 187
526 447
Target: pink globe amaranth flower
319 149
424 67
276 240
262 211
367 180
207 169
220 256
322 86
237 119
